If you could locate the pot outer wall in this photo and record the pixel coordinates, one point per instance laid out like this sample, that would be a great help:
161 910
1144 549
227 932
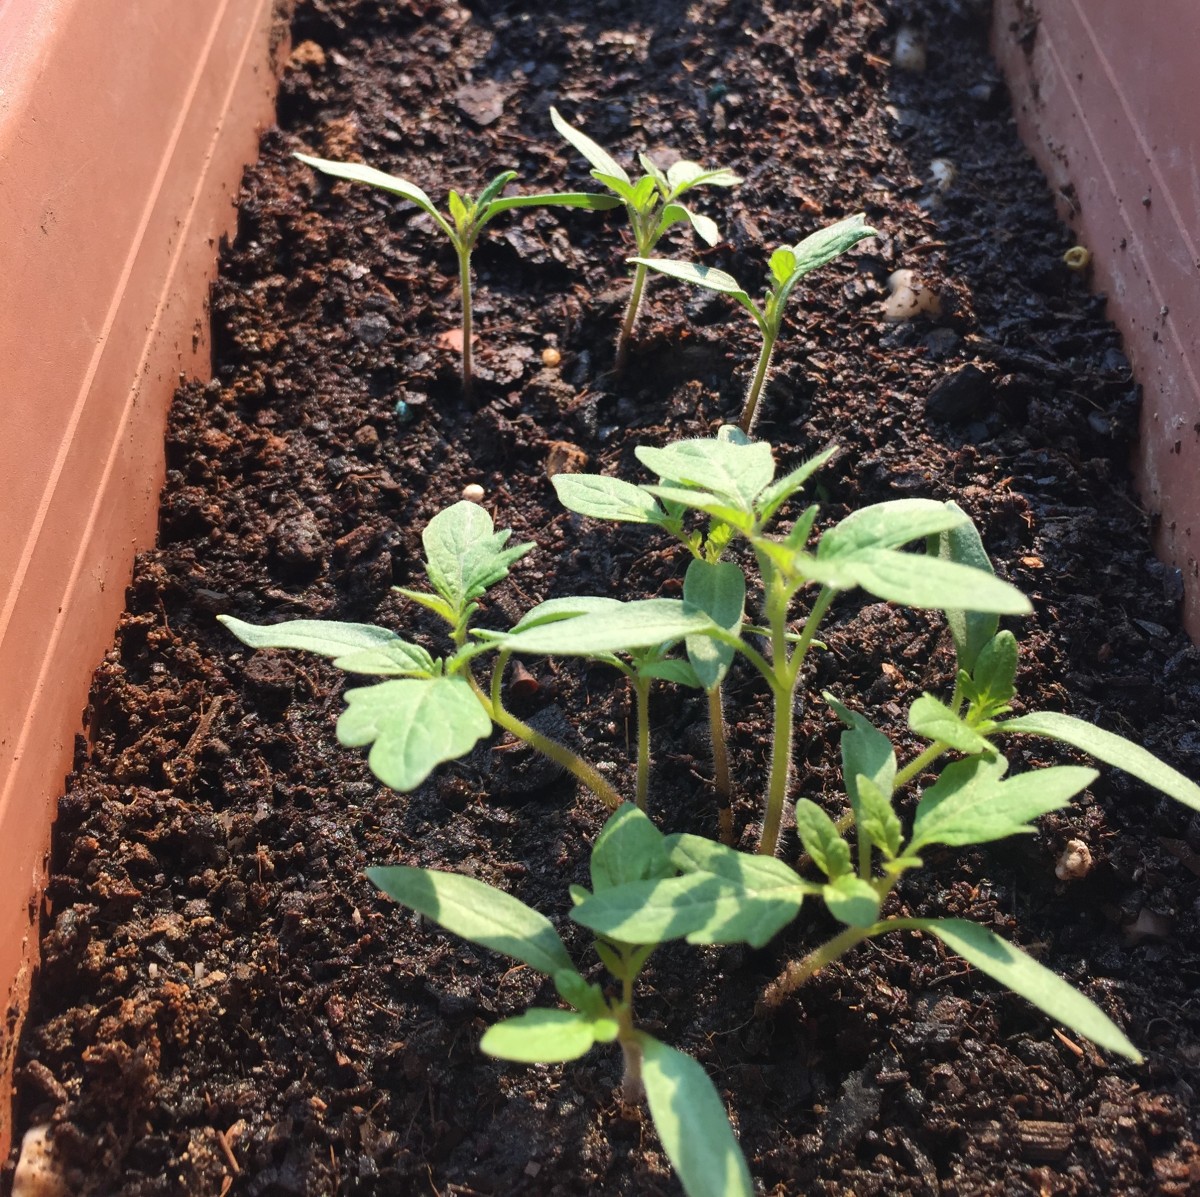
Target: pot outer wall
1108 103
124 128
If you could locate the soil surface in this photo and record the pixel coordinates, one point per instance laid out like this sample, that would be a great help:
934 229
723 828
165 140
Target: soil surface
226 1005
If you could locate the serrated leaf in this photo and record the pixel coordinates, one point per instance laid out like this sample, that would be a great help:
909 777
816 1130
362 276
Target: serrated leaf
1006 963
717 588
852 901
717 506
477 912
995 671
1111 749
598 157
822 840
644 194
970 804
605 498
726 468
866 752
642 624
971 629
458 211
465 555
357 173
493 189
413 725
828 243
875 817
587 997
750 871
702 908
931 718
623 188
540 1037
705 228
354 647
692 1125
628 848
782 264
432 602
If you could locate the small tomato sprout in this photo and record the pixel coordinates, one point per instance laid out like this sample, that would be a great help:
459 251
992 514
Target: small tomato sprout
430 710
629 854
652 203
788 265
465 219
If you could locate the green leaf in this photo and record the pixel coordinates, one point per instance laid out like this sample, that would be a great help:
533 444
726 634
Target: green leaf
717 506
354 647
641 624
866 752
821 839
886 526
971 629
932 719
783 264
458 211
775 495
541 1037
552 610
599 158
1111 749
749 871
620 186
852 901
591 200
357 173
917 581
675 213
493 189
655 174
725 468
465 555
692 1124
432 602
684 174
701 907
970 804
586 997
477 912
671 669
708 277
721 177
413 725
628 848
875 817
605 498
995 672
1022 974
718 588
828 243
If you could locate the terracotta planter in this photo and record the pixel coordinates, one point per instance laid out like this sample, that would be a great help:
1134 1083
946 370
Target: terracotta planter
1108 105
123 131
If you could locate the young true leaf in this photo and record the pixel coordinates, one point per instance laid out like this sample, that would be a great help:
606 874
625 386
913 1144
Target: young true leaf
605 498
994 674
546 1036
1022 974
971 629
629 848
652 204
775 495
875 816
887 526
970 804
477 912
413 725
866 752
718 588
725 468
465 554
692 1124
1111 749
788 265
354 647
934 720
821 840
852 901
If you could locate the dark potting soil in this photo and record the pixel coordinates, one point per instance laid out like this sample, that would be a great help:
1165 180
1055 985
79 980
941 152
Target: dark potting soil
226 1005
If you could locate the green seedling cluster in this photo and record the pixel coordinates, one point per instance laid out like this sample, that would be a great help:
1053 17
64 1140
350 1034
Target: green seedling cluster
653 205
464 221
959 789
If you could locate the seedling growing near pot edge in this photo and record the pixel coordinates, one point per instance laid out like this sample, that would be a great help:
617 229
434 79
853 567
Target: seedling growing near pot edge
653 206
686 1108
431 710
789 264
467 218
